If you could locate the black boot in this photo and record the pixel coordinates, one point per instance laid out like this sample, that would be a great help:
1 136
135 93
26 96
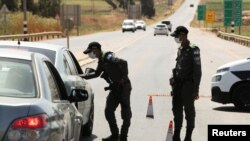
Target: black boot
176 136
188 135
123 137
111 138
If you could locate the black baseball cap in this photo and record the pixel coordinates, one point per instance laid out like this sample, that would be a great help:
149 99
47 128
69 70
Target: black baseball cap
179 30
91 46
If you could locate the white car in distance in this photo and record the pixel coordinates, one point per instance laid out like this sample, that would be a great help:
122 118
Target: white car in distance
128 25
161 29
140 24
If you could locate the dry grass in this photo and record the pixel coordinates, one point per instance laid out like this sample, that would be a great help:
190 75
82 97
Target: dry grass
219 24
35 24
90 23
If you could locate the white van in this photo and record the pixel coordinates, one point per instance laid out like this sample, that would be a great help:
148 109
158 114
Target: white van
128 25
231 84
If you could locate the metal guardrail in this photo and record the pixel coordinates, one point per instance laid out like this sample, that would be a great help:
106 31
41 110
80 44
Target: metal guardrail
243 40
34 36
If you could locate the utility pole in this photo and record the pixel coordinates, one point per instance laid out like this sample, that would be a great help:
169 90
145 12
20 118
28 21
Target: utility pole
233 18
25 27
4 10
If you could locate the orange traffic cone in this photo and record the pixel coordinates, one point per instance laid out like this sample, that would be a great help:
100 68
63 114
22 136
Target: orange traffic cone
150 113
170 131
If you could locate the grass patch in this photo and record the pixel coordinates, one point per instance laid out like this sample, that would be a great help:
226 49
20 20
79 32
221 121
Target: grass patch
35 24
101 19
218 6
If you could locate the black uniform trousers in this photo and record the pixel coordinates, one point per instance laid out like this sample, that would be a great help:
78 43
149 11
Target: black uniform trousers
119 96
183 97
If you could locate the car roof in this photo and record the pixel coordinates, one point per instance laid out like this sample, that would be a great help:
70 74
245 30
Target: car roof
15 53
128 20
32 44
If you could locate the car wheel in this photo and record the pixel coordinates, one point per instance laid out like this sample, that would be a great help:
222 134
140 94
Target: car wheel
241 96
88 127
122 31
154 34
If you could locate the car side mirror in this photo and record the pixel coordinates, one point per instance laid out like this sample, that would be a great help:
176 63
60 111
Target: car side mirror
89 70
78 95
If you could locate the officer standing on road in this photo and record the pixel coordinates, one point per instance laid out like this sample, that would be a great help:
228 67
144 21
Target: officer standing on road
115 71
185 83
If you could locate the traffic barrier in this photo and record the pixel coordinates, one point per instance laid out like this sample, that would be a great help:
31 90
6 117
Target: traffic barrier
150 112
243 40
34 36
170 131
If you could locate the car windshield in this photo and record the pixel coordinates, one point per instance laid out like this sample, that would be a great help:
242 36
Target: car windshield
16 78
49 53
128 23
161 26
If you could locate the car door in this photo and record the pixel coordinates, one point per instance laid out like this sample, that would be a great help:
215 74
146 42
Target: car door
64 112
75 69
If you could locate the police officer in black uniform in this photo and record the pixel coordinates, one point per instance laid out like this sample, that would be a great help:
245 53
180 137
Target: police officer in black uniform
115 71
185 83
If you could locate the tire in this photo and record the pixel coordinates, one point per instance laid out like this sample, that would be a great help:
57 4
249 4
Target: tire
241 95
88 127
154 34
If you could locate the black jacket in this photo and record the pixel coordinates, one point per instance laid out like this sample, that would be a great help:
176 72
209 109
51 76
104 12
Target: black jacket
115 68
188 65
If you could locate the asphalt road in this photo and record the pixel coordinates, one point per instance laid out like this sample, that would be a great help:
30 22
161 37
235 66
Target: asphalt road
151 59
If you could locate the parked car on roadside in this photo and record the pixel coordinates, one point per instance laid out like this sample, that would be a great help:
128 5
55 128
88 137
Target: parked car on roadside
160 29
140 24
231 84
128 25
33 100
69 70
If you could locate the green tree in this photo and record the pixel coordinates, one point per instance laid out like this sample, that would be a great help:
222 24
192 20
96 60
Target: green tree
49 8
11 4
148 8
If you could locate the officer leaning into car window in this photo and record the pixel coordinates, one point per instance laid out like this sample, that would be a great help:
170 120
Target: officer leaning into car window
185 83
115 71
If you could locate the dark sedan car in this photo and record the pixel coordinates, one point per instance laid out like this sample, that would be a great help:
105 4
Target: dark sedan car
34 104
69 69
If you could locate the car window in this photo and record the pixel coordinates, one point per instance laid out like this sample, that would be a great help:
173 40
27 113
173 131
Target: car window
16 78
78 67
161 26
71 63
53 86
128 23
66 66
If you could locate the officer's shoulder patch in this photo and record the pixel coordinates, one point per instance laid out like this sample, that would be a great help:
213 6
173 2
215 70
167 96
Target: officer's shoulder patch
108 55
193 46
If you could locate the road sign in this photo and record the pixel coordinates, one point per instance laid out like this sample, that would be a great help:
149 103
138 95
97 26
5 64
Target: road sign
232 12
238 13
210 16
201 12
4 9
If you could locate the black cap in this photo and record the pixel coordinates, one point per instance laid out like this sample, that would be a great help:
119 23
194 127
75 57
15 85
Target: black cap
179 30
91 46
